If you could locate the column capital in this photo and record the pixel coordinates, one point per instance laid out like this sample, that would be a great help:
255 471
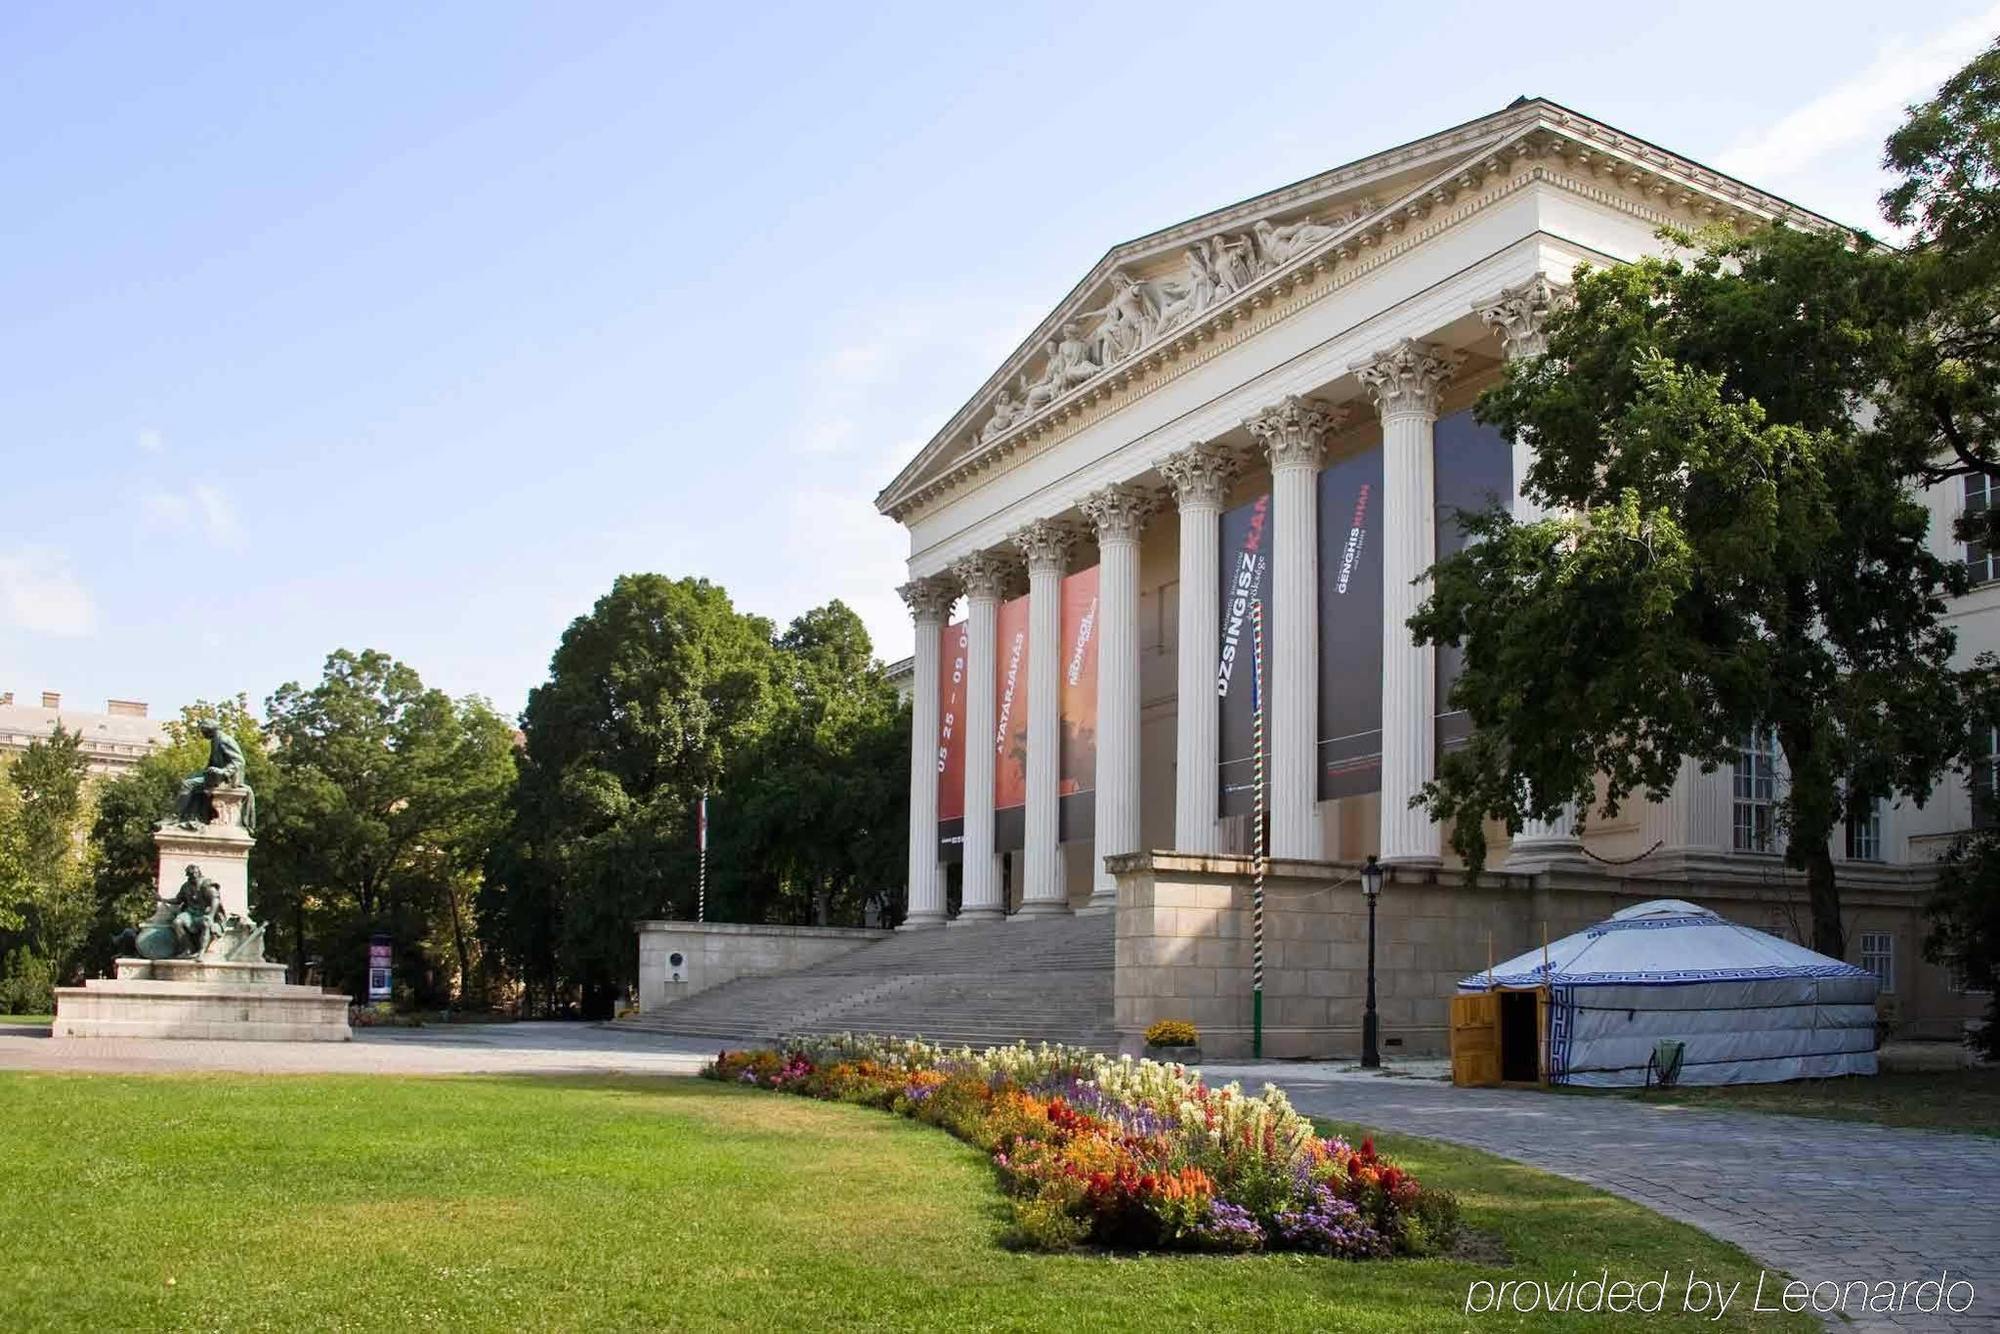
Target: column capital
1409 378
1119 511
1520 315
1045 545
1200 474
985 574
929 599
1293 431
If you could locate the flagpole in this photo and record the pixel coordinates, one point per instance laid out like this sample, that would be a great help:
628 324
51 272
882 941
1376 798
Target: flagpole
1257 828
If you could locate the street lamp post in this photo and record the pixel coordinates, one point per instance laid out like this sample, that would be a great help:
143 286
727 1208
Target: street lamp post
1371 888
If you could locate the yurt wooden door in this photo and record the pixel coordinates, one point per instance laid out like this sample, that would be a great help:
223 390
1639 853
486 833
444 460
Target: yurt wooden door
1475 1039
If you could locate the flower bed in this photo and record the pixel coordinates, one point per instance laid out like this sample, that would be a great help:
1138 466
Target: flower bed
1126 1154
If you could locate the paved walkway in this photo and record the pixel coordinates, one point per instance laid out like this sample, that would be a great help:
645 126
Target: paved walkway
457 1049
1820 1200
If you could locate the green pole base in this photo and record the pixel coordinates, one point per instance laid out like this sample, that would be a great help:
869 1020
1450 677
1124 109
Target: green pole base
1257 1022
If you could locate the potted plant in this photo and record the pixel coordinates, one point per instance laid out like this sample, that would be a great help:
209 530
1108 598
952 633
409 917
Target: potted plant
1174 1040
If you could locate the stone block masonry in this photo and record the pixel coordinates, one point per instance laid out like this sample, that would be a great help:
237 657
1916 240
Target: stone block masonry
1183 946
682 959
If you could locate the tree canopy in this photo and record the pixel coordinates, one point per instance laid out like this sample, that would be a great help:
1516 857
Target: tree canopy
665 692
1731 441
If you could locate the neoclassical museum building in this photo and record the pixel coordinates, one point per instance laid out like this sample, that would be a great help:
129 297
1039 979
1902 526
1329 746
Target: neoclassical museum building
1268 408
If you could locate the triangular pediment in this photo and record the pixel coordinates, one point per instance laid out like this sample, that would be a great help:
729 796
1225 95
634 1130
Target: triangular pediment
1150 299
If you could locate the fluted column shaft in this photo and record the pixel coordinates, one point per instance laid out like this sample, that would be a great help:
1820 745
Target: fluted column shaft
1118 513
1046 547
1293 434
930 605
982 897
1407 381
1520 317
1200 477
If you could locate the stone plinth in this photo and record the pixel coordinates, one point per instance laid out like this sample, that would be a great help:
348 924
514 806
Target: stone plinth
257 974
222 851
200 998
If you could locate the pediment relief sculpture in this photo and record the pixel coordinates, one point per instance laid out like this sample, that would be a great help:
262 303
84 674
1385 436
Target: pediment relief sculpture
1136 311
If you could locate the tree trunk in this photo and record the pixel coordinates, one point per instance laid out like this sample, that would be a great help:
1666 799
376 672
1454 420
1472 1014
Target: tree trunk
1816 808
458 942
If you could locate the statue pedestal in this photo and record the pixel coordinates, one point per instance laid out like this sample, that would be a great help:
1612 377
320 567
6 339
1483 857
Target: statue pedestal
215 995
221 849
200 998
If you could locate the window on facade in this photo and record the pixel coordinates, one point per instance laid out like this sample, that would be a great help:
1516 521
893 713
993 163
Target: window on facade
1864 836
1757 792
1980 562
1986 781
1878 956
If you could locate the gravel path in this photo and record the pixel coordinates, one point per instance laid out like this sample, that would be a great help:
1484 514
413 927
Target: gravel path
460 1049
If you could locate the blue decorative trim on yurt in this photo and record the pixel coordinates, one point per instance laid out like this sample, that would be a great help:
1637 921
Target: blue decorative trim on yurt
1562 1024
1666 977
1647 924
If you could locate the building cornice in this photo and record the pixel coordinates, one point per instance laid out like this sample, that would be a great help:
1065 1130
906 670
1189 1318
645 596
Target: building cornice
1534 142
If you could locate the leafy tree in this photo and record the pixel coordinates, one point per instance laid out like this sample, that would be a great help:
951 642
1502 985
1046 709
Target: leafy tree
817 826
45 857
130 805
650 700
1736 547
1964 910
388 795
1946 387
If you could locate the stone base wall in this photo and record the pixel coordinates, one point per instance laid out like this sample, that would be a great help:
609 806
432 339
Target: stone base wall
1184 943
144 1008
712 953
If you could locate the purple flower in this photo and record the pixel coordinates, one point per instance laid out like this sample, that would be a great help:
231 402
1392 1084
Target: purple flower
1229 1227
1328 1225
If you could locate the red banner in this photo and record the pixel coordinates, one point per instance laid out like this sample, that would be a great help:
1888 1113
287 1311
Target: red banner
1079 682
1010 706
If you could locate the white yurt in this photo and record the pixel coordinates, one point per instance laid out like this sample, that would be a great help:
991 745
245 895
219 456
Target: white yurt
1746 1007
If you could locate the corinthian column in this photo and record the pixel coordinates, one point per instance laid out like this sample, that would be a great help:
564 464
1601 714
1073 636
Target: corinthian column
1046 547
1200 477
1293 434
1117 513
984 575
929 601
1519 316
1406 382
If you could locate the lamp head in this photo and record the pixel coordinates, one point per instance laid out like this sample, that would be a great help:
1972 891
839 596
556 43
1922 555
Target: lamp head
1371 876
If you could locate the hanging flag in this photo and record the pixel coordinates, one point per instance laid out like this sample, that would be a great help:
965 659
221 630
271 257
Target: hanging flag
701 823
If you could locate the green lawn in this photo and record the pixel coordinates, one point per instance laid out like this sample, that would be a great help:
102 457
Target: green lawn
377 1203
42 1020
1966 1100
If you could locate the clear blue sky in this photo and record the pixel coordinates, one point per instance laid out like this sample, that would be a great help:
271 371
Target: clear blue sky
409 327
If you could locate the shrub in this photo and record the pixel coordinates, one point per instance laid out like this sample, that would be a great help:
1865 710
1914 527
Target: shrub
27 983
1173 1033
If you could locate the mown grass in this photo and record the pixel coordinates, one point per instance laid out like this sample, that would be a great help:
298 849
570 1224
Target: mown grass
42 1020
608 1203
1967 1100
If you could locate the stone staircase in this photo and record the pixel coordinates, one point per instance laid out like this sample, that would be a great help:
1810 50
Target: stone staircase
980 984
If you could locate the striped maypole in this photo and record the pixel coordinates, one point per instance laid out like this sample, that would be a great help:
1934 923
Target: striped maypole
1257 828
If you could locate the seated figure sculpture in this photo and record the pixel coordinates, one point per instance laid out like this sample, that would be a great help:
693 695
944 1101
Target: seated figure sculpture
184 926
194 807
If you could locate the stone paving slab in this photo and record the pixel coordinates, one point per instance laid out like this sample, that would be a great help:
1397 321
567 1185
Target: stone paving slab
460 1049
1818 1199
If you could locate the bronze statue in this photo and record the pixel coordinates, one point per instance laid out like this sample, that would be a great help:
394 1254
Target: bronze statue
194 808
181 927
